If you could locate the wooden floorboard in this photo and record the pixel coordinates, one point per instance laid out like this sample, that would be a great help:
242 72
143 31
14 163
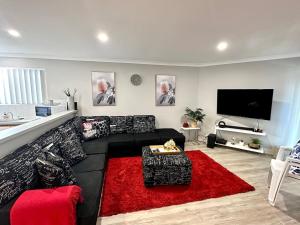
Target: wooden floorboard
245 208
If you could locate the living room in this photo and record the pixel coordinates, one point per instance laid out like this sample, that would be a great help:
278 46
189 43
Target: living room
136 154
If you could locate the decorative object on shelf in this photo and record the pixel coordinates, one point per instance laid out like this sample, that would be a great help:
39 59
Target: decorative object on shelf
70 98
233 140
241 142
136 79
103 85
255 144
196 116
185 124
165 90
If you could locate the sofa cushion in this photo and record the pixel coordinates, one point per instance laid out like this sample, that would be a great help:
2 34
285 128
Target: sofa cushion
94 162
118 124
94 129
50 175
143 123
70 146
96 146
18 172
52 136
62 163
54 148
129 124
91 184
167 134
121 140
145 139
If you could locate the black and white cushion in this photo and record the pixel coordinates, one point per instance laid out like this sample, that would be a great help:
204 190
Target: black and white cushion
18 172
71 148
62 163
94 129
52 136
103 129
143 124
129 124
54 148
118 124
50 174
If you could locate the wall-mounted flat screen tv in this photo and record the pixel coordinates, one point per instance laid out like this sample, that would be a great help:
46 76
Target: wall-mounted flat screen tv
250 103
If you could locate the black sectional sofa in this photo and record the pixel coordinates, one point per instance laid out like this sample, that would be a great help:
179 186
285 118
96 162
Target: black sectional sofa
123 141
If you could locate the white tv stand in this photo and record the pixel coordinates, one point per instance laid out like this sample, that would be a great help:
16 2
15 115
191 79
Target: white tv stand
238 146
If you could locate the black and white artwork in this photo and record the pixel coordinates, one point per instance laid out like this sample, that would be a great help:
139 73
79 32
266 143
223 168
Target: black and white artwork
104 91
165 90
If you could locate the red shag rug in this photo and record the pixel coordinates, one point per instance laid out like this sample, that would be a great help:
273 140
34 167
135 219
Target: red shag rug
124 189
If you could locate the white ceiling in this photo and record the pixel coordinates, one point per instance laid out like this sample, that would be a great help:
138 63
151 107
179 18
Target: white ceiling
178 32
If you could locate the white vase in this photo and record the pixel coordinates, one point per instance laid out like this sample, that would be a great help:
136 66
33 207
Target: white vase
70 102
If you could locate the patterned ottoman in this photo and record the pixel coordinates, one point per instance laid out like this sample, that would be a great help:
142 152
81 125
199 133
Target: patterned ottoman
166 169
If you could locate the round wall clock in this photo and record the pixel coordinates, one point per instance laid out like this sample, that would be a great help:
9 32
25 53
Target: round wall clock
136 79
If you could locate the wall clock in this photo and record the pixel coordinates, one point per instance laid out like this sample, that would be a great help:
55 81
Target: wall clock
136 79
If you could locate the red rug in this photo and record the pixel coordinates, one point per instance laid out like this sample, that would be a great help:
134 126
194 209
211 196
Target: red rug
124 189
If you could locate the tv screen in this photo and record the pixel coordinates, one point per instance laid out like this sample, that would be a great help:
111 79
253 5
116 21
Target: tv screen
251 103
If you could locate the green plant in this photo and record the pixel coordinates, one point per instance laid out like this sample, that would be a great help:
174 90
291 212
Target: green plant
256 141
197 115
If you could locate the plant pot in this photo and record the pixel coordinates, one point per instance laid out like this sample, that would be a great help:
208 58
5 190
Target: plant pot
254 146
70 102
194 124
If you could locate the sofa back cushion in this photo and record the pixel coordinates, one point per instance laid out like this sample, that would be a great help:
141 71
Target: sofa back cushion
71 148
121 124
143 123
50 175
52 136
18 172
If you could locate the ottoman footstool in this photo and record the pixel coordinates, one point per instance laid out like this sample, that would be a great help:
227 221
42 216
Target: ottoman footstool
166 169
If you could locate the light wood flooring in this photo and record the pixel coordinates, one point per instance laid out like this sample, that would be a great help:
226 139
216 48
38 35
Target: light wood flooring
245 208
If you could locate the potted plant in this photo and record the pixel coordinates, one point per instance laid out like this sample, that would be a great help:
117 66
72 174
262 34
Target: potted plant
255 144
195 117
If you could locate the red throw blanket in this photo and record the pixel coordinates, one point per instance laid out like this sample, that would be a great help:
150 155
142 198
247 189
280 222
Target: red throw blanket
55 206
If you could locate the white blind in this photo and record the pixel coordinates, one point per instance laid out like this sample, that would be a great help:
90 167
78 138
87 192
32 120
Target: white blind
22 86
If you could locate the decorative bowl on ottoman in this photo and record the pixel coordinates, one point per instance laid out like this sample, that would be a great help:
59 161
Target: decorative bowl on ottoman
166 169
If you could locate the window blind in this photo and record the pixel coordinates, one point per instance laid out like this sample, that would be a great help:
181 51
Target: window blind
22 86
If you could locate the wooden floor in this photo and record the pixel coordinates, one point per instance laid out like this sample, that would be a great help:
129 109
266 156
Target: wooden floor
245 208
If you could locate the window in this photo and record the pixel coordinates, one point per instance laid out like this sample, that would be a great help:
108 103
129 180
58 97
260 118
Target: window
22 86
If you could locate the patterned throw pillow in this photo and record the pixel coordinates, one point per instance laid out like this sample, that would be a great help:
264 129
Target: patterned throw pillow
52 136
62 163
54 148
295 154
94 129
8 190
118 124
143 124
129 124
18 172
50 174
71 148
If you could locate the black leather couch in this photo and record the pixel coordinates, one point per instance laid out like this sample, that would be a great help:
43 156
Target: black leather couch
90 172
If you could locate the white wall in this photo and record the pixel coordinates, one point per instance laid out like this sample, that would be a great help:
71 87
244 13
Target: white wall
130 99
281 75
196 87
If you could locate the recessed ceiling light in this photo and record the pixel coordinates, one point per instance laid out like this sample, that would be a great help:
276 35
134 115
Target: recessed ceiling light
222 46
14 33
103 37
